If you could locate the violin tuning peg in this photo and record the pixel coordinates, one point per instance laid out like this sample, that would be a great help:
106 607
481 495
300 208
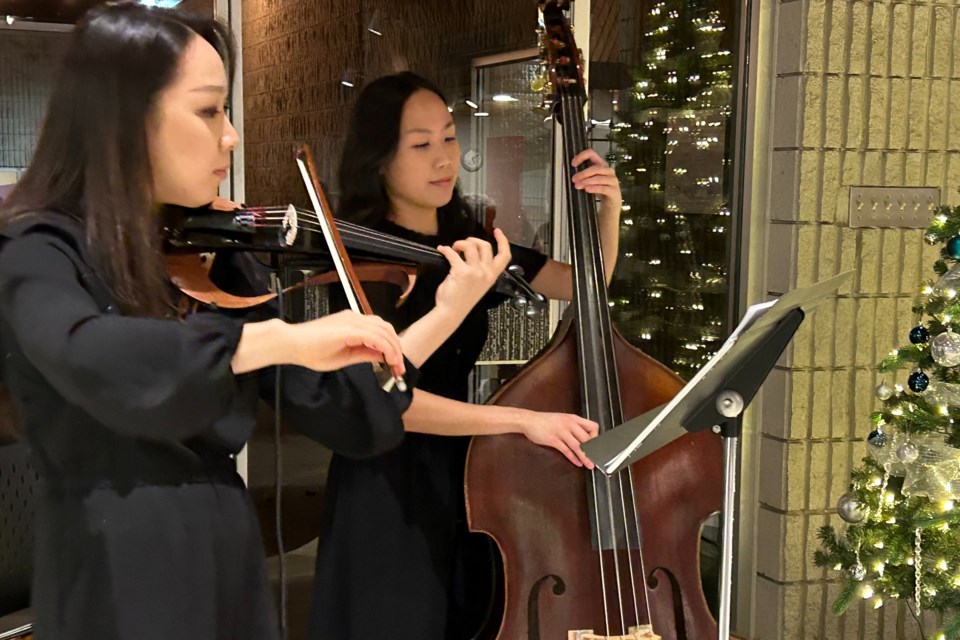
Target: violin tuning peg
532 311
516 270
520 303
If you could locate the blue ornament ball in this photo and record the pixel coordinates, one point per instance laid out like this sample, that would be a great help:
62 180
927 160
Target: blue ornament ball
918 381
877 438
919 335
953 247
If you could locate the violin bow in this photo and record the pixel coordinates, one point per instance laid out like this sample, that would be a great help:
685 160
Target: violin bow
338 253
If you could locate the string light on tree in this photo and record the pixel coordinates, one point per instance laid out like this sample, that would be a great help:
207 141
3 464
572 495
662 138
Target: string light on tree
669 142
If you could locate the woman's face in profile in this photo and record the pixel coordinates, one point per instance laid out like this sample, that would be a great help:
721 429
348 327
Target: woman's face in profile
188 133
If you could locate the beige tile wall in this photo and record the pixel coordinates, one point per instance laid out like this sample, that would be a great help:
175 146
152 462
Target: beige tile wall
866 93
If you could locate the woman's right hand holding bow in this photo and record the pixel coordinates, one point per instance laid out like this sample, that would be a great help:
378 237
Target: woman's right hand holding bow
325 344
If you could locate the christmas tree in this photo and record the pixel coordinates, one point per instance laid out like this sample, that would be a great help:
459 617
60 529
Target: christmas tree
902 540
669 295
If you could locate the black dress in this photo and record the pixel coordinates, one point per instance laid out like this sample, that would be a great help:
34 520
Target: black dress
144 529
395 555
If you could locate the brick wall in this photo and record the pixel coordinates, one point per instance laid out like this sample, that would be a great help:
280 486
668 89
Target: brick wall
865 93
296 53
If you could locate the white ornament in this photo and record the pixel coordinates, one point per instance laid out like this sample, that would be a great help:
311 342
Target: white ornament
945 349
848 507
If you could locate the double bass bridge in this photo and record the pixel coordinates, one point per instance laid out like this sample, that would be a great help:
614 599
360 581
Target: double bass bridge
642 632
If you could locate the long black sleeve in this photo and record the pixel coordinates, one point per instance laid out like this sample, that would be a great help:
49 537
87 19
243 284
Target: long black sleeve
155 379
345 410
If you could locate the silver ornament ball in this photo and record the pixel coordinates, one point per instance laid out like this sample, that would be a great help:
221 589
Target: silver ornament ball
884 391
848 507
858 572
907 452
945 349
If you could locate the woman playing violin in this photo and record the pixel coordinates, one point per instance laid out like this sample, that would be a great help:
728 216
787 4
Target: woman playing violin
396 546
144 529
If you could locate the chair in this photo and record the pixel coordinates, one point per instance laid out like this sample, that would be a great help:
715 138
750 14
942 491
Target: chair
19 483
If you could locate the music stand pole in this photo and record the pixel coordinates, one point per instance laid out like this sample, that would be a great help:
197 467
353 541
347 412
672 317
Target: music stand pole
730 405
739 385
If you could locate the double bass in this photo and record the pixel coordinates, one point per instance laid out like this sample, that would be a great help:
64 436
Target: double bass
585 555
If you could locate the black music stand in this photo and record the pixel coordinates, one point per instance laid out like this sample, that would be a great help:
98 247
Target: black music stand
714 399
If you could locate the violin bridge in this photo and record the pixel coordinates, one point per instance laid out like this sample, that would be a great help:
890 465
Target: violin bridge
642 632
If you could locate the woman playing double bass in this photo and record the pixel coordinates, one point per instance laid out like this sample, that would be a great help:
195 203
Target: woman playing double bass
144 528
395 550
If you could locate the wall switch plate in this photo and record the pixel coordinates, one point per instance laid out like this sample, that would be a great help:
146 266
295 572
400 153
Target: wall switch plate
893 207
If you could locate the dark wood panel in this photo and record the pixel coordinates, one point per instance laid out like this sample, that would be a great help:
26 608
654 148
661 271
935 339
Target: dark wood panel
62 11
69 11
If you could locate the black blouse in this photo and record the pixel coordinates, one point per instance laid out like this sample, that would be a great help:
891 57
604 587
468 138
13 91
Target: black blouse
144 529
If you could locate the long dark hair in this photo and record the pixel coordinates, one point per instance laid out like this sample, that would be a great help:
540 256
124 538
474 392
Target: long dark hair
92 162
372 143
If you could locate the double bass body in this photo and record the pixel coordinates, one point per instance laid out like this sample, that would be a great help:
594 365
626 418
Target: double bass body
533 503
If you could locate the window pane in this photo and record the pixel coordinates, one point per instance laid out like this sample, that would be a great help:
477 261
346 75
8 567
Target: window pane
669 98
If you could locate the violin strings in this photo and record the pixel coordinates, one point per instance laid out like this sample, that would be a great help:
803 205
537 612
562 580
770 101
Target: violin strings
507 282
349 229
420 251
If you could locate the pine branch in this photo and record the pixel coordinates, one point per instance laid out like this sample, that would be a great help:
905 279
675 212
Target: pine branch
842 603
895 361
951 628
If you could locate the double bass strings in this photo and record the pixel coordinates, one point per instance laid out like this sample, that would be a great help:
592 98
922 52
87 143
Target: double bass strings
579 295
576 139
612 372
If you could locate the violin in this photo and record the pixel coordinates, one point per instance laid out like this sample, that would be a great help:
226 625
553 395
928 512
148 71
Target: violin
298 235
